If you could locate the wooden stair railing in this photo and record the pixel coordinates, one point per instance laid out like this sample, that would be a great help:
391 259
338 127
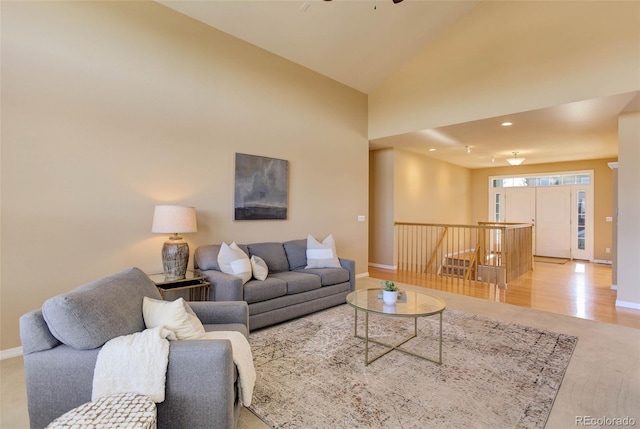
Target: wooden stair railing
490 252
473 262
435 251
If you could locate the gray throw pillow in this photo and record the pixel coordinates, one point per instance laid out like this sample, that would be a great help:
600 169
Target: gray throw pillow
296 253
273 254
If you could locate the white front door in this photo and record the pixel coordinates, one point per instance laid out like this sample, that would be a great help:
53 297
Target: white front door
553 222
520 207
562 214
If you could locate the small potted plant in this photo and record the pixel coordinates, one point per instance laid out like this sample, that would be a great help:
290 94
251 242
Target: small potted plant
389 292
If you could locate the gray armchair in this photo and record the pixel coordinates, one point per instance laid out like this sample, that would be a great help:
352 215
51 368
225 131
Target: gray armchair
62 340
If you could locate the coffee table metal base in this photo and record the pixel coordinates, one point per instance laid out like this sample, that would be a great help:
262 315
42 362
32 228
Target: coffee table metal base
392 347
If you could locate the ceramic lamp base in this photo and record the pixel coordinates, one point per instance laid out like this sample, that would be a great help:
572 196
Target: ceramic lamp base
175 257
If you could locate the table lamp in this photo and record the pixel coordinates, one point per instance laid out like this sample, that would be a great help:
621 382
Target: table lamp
174 220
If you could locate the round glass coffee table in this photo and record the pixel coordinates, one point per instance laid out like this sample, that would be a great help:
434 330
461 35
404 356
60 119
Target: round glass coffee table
412 305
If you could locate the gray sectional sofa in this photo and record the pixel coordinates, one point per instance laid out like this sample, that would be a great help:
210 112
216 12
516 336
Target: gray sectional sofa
288 292
61 343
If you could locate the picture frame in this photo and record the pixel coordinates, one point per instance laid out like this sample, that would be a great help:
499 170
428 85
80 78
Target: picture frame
261 188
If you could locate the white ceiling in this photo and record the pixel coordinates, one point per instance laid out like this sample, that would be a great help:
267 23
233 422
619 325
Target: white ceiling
570 132
361 42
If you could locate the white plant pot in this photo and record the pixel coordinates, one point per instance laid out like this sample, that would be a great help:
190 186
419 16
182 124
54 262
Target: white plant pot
389 297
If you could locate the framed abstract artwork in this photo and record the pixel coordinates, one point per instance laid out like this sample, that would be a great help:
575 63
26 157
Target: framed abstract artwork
261 187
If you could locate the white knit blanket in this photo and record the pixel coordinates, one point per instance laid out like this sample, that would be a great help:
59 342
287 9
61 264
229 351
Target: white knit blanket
134 363
242 357
138 363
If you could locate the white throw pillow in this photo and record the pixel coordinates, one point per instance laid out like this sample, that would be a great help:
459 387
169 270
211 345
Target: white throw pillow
177 316
232 260
322 255
259 267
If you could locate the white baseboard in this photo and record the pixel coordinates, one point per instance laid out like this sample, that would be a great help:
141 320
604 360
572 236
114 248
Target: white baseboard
384 267
614 287
628 304
10 353
602 261
361 275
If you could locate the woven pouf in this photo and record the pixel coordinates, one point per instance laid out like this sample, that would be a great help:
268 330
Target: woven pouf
120 411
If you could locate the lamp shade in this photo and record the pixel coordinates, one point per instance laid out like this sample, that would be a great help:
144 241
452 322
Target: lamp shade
174 219
515 160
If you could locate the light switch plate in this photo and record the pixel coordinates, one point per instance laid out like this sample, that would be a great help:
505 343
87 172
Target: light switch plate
360 218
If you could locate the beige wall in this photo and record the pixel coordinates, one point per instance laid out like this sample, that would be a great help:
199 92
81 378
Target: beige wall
424 190
512 56
603 195
430 191
381 207
628 251
614 227
109 108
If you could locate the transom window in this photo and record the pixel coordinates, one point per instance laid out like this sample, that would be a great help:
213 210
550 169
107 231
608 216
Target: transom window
546 180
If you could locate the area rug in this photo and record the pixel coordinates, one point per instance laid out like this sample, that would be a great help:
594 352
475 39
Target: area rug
548 260
311 373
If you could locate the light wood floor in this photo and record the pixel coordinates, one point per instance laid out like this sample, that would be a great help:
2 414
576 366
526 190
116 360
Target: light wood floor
576 288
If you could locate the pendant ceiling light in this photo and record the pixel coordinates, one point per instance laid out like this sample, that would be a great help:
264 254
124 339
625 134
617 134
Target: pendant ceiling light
515 160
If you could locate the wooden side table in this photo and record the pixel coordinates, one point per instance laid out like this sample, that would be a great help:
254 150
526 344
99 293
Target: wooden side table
197 285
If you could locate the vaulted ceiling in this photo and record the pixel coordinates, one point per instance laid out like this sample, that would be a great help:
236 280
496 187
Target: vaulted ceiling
360 43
